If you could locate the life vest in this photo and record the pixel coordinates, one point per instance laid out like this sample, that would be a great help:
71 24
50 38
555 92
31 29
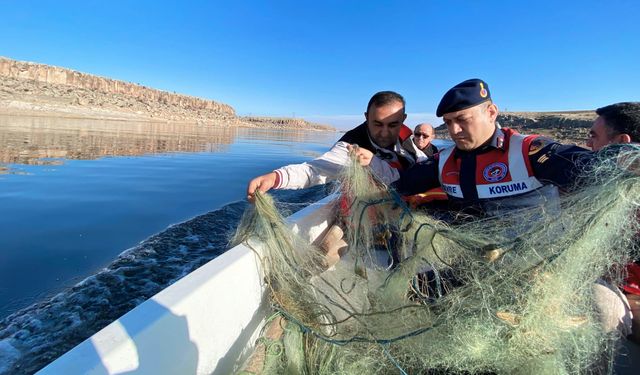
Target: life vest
499 172
405 133
432 195
631 283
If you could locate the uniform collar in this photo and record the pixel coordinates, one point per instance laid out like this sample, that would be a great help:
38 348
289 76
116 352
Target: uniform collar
497 140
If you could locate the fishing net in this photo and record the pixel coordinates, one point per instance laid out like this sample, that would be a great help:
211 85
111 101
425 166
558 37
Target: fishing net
416 294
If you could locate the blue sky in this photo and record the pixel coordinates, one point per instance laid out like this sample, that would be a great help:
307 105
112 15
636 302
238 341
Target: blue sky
323 60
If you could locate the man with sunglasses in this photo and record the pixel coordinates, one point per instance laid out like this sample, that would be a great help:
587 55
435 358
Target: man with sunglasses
421 142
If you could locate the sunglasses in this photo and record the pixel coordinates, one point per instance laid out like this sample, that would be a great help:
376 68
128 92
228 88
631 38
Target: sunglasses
421 135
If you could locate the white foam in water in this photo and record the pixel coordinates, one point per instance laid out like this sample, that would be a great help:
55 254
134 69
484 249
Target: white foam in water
193 238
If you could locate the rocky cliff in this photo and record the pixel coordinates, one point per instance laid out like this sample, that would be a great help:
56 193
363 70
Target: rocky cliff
284 122
36 89
546 120
61 76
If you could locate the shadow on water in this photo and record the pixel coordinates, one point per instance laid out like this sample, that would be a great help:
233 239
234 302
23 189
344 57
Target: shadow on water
35 336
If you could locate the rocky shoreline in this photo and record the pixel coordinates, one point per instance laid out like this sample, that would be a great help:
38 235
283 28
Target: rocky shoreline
566 127
41 90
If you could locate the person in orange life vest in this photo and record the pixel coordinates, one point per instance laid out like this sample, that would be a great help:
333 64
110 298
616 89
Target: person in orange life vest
421 142
382 134
619 123
490 165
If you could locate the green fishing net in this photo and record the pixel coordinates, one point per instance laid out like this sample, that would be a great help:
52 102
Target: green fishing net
417 294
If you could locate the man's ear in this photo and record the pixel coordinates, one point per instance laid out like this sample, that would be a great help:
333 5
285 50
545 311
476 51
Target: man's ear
493 111
404 118
623 138
366 116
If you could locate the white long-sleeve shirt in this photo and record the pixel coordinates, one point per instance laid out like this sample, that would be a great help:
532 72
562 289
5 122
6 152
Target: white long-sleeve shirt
326 168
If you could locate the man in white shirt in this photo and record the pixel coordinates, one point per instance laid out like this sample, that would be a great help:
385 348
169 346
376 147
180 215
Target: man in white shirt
383 134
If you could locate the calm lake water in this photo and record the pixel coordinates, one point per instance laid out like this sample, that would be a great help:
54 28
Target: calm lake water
75 194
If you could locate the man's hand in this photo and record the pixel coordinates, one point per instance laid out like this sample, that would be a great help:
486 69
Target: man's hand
263 183
363 155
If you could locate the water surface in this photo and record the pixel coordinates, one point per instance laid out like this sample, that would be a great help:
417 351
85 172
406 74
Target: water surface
76 193
87 211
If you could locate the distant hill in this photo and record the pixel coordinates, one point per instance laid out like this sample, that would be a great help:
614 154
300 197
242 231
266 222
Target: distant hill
567 126
284 122
36 89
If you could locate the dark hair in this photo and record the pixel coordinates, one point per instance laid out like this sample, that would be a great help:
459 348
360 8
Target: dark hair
385 97
622 118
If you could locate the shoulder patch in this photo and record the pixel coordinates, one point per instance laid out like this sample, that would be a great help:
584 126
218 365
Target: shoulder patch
538 144
543 158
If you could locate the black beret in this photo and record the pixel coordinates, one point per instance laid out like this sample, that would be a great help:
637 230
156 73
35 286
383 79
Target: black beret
464 95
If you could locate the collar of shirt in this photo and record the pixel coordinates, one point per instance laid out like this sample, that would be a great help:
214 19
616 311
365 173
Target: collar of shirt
386 154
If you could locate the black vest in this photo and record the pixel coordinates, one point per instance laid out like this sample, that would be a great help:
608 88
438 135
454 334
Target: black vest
360 136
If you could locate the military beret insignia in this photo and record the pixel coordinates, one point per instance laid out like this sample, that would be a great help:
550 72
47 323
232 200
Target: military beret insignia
483 91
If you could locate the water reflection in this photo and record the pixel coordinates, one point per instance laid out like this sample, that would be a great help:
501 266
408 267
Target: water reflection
50 140
280 135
